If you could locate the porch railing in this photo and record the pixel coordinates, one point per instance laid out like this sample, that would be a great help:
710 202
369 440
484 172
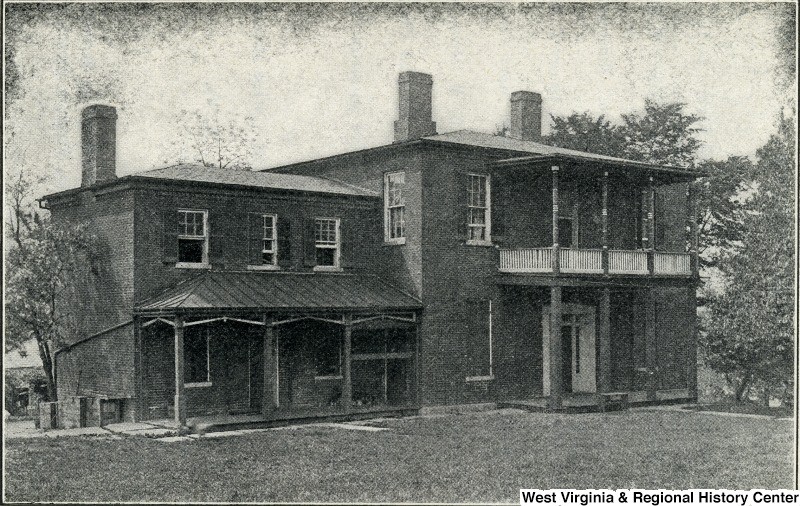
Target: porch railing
526 260
581 260
590 261
627 262
672 263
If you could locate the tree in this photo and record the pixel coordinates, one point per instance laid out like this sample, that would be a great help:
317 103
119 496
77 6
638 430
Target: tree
665 134
584 132
207 140
41 260
749 336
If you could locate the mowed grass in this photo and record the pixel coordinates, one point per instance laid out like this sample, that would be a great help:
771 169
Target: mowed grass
478 457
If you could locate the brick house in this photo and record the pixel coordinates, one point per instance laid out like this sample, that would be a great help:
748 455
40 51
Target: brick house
425 272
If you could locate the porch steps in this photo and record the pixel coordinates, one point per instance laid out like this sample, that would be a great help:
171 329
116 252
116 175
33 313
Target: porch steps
570 404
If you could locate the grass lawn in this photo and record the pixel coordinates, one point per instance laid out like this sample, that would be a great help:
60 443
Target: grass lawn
748 408
478 457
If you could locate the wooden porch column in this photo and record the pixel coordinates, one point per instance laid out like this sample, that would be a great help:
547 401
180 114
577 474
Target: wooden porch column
138 375
347 379
605 222
691 346
651 229
693 233
604 348
180 398
554 401
556 261
269 387
650 343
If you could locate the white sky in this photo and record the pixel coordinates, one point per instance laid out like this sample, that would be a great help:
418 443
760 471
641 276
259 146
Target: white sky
321 85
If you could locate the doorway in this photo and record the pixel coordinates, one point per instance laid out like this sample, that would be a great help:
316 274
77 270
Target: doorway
578 372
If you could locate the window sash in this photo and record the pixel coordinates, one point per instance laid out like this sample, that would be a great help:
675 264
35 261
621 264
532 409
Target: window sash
192 224
394 206
479 217
269 241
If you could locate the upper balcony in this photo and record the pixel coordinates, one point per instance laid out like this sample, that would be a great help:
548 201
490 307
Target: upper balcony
554 217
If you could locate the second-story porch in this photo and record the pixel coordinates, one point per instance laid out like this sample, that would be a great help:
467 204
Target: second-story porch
555 215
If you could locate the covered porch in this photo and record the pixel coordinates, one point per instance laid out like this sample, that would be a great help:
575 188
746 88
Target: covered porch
248 349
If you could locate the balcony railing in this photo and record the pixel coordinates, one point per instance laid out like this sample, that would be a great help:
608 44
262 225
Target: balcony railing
590 261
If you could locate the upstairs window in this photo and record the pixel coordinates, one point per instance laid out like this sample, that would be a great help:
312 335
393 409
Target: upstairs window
192 237
269 242
394 208
327 242
479 223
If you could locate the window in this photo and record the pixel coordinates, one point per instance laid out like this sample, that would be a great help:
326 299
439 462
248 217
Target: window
479 210
196 357
269 243
568 227
326 242
192 237
394 208
329 357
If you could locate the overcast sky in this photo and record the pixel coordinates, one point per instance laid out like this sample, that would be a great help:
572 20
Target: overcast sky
319 80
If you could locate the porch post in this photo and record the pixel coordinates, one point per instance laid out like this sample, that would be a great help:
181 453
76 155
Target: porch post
140 404
693 233
180 398
605 222
556 388
269 387
691 346
650 343
556 261
651 229
347 380
604 348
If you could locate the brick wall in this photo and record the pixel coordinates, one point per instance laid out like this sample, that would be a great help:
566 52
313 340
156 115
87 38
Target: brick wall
101 366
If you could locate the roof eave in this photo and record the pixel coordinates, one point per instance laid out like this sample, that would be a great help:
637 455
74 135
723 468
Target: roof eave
523 160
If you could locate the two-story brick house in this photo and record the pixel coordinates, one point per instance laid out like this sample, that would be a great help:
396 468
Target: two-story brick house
425 272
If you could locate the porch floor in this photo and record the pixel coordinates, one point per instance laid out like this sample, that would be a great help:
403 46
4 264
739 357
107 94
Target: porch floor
221 422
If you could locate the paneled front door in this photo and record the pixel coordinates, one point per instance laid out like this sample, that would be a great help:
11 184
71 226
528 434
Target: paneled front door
577 349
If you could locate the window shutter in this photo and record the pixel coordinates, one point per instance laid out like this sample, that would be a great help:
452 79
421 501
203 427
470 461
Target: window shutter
498 203
170 236
477 339
284 242
659 219
347 244
216 237
255 234
309 244
462 206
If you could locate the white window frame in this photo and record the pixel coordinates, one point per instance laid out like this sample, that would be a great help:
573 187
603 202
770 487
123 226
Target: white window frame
207 382
490 376
387 210
487 209
337 266
204 263
274 265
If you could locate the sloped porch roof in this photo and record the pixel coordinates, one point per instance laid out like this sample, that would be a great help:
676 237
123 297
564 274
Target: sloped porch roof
277 291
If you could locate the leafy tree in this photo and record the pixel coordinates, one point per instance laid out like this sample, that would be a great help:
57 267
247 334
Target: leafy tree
41 260
664 134
749 335
583 132
207 140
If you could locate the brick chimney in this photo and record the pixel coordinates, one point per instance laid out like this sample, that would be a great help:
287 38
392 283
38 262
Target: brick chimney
526 116
414 120
98 144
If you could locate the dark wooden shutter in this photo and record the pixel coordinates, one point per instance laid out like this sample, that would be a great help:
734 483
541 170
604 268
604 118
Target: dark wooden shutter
462 206
309 244
347 243
217 246
499 203
660 222
255 236
284 242
476 339
169 225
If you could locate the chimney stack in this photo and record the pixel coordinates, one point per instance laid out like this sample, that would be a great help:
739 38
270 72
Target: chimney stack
98 144
526 116
414 120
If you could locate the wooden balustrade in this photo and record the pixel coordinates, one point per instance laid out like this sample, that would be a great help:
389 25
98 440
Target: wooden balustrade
590 261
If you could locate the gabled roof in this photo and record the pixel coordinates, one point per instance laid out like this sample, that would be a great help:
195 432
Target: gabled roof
253 290
199 173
